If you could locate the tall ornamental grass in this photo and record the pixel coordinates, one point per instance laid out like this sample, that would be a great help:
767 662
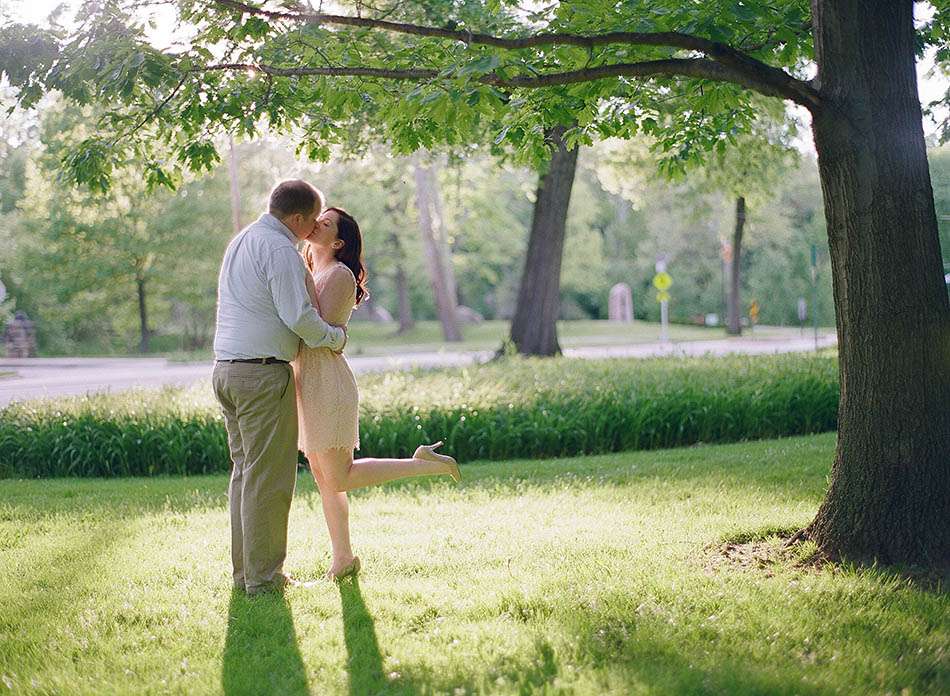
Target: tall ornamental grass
512 409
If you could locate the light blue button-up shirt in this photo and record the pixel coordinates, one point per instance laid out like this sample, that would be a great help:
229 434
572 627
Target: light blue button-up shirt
264 309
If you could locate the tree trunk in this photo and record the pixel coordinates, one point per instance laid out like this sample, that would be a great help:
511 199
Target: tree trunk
534 327
406 322
144 331
889 497
734 324
439 266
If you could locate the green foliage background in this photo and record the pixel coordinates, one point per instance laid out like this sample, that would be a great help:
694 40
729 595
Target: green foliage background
70 257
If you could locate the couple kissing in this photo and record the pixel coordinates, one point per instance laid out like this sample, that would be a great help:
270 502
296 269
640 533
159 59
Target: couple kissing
284 384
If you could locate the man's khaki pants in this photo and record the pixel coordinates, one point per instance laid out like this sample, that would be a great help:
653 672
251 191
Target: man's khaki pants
260 414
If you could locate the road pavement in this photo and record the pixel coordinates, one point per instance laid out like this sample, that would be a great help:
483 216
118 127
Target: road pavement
36 378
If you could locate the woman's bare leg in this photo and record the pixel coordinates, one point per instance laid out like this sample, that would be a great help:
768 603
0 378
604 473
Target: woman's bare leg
344 474
336 512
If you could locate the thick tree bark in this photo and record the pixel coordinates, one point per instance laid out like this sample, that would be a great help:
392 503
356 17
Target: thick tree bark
144 331
734 323
889 497
534 327
438 264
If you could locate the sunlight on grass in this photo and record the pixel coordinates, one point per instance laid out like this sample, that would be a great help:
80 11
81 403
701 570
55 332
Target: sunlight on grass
586 575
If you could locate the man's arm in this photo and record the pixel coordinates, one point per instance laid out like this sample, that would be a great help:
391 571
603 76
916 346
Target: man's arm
286 279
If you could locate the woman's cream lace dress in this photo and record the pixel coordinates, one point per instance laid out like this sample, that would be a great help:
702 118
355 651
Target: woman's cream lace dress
327 397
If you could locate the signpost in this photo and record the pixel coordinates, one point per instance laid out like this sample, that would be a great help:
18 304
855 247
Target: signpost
662 282
802 314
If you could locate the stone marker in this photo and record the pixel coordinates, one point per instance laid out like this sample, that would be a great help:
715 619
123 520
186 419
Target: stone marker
19 337
620 303
467 315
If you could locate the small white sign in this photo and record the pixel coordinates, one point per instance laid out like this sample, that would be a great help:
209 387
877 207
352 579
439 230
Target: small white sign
3 291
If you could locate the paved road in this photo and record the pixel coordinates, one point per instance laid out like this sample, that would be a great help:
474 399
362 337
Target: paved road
44 377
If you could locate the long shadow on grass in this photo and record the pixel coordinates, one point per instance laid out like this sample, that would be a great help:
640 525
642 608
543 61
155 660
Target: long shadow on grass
364 661
647 657
261 655
50 584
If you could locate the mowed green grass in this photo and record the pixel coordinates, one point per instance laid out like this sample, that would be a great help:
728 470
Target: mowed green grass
593 575
369 338
380 338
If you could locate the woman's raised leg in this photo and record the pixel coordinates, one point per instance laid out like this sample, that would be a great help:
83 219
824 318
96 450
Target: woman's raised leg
344 474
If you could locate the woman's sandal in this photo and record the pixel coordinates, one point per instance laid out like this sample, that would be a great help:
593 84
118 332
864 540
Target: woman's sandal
428 452
352 569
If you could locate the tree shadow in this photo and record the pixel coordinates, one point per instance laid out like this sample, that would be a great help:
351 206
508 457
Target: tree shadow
261 655
646 657
51 584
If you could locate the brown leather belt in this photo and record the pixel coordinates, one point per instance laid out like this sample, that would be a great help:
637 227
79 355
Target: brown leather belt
258 361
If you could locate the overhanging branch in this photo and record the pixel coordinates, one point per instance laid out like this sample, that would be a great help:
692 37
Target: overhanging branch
699 68
740 67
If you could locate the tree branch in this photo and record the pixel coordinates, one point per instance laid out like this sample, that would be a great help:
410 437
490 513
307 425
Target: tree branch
158 108
755 74
699 68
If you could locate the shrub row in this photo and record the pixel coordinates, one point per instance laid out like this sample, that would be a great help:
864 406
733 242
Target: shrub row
514 408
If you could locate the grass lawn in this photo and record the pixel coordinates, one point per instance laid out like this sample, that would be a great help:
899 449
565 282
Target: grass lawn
367 338
7 373
377 339
589 575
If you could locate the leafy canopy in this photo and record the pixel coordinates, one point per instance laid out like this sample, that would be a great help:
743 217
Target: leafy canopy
414 74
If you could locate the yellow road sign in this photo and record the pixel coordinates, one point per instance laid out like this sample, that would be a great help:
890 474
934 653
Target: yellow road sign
662 296
662 281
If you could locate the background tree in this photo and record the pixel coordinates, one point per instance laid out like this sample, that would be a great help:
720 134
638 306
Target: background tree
534 326
748 170
431 219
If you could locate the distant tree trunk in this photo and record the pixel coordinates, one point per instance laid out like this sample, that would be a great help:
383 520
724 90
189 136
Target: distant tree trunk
734 324
441 275
144 331
534 327
406 322
235 189
889 497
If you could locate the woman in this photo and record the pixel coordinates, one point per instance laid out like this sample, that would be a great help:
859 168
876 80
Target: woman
327 396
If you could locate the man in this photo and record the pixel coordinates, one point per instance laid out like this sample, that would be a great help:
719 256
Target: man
264 311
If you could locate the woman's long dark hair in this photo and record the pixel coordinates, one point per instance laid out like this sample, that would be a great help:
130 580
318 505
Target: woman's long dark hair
351 253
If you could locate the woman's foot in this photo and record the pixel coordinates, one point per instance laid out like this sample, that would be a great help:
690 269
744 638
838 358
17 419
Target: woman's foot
339 571
428 453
